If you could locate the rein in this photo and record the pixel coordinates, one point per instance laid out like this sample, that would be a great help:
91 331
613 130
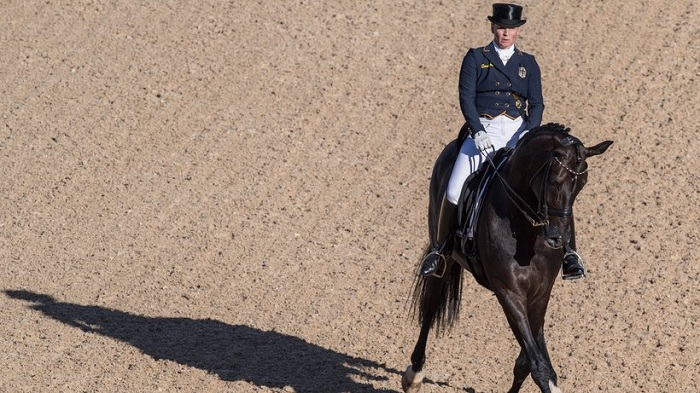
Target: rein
518 201
541 216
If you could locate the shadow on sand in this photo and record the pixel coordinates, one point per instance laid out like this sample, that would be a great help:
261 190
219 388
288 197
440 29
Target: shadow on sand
232 352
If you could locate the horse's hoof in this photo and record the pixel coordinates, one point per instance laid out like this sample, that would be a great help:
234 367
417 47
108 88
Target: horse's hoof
411 381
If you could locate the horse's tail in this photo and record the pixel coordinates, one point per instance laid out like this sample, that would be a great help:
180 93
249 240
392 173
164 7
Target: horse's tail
438 299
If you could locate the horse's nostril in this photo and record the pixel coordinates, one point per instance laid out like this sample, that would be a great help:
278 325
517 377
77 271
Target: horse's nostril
555 242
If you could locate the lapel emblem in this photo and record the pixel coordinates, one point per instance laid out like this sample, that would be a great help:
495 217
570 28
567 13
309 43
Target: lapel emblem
522 72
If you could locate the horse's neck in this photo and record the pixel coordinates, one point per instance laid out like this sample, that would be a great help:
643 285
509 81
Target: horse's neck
513 196
515 174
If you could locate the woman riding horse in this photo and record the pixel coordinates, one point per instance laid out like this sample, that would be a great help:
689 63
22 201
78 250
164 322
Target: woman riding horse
523 225
500 94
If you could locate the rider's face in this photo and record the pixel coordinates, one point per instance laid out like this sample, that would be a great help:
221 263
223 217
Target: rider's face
505 36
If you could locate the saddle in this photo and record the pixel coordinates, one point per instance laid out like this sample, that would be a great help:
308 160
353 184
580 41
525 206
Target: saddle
471 200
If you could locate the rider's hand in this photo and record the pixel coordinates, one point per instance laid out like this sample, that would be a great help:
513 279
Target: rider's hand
483 141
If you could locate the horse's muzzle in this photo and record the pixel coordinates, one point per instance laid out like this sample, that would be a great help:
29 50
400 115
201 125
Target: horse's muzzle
556 231
554 242
554 237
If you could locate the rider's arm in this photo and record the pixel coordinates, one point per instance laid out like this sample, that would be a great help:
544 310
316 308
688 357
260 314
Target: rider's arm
467 91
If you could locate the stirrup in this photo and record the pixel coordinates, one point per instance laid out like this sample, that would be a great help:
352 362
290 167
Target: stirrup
435 274
570 277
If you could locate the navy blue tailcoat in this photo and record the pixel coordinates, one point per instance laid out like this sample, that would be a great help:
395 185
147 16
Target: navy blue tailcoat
487 88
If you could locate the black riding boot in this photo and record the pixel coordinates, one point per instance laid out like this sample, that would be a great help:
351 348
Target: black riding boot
572 268
434 263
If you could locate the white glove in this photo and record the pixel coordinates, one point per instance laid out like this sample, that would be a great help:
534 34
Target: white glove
483 141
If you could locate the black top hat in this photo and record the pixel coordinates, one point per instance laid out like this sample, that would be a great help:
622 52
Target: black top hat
507 15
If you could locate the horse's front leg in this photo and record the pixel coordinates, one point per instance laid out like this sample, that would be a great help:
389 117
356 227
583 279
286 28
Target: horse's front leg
538 310
540 366
520 372
542 345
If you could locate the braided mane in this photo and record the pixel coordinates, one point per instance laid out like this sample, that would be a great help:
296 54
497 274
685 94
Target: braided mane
551 128
546 129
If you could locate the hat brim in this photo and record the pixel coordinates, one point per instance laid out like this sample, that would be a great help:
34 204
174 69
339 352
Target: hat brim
507 22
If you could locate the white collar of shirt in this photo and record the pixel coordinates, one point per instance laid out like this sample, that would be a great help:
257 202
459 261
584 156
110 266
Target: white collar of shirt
504 54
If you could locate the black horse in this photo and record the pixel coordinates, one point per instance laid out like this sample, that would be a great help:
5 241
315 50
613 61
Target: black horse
525 220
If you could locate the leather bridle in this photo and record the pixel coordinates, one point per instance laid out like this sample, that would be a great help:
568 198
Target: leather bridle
540 217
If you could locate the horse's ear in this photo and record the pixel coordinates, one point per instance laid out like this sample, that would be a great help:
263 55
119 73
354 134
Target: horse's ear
598 149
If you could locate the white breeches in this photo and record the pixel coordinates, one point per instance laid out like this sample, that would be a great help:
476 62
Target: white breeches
503 132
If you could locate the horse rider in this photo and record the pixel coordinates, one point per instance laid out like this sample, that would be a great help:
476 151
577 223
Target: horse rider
500 95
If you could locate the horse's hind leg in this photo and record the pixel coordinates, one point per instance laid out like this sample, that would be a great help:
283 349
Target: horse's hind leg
430 302
412 379
520 372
